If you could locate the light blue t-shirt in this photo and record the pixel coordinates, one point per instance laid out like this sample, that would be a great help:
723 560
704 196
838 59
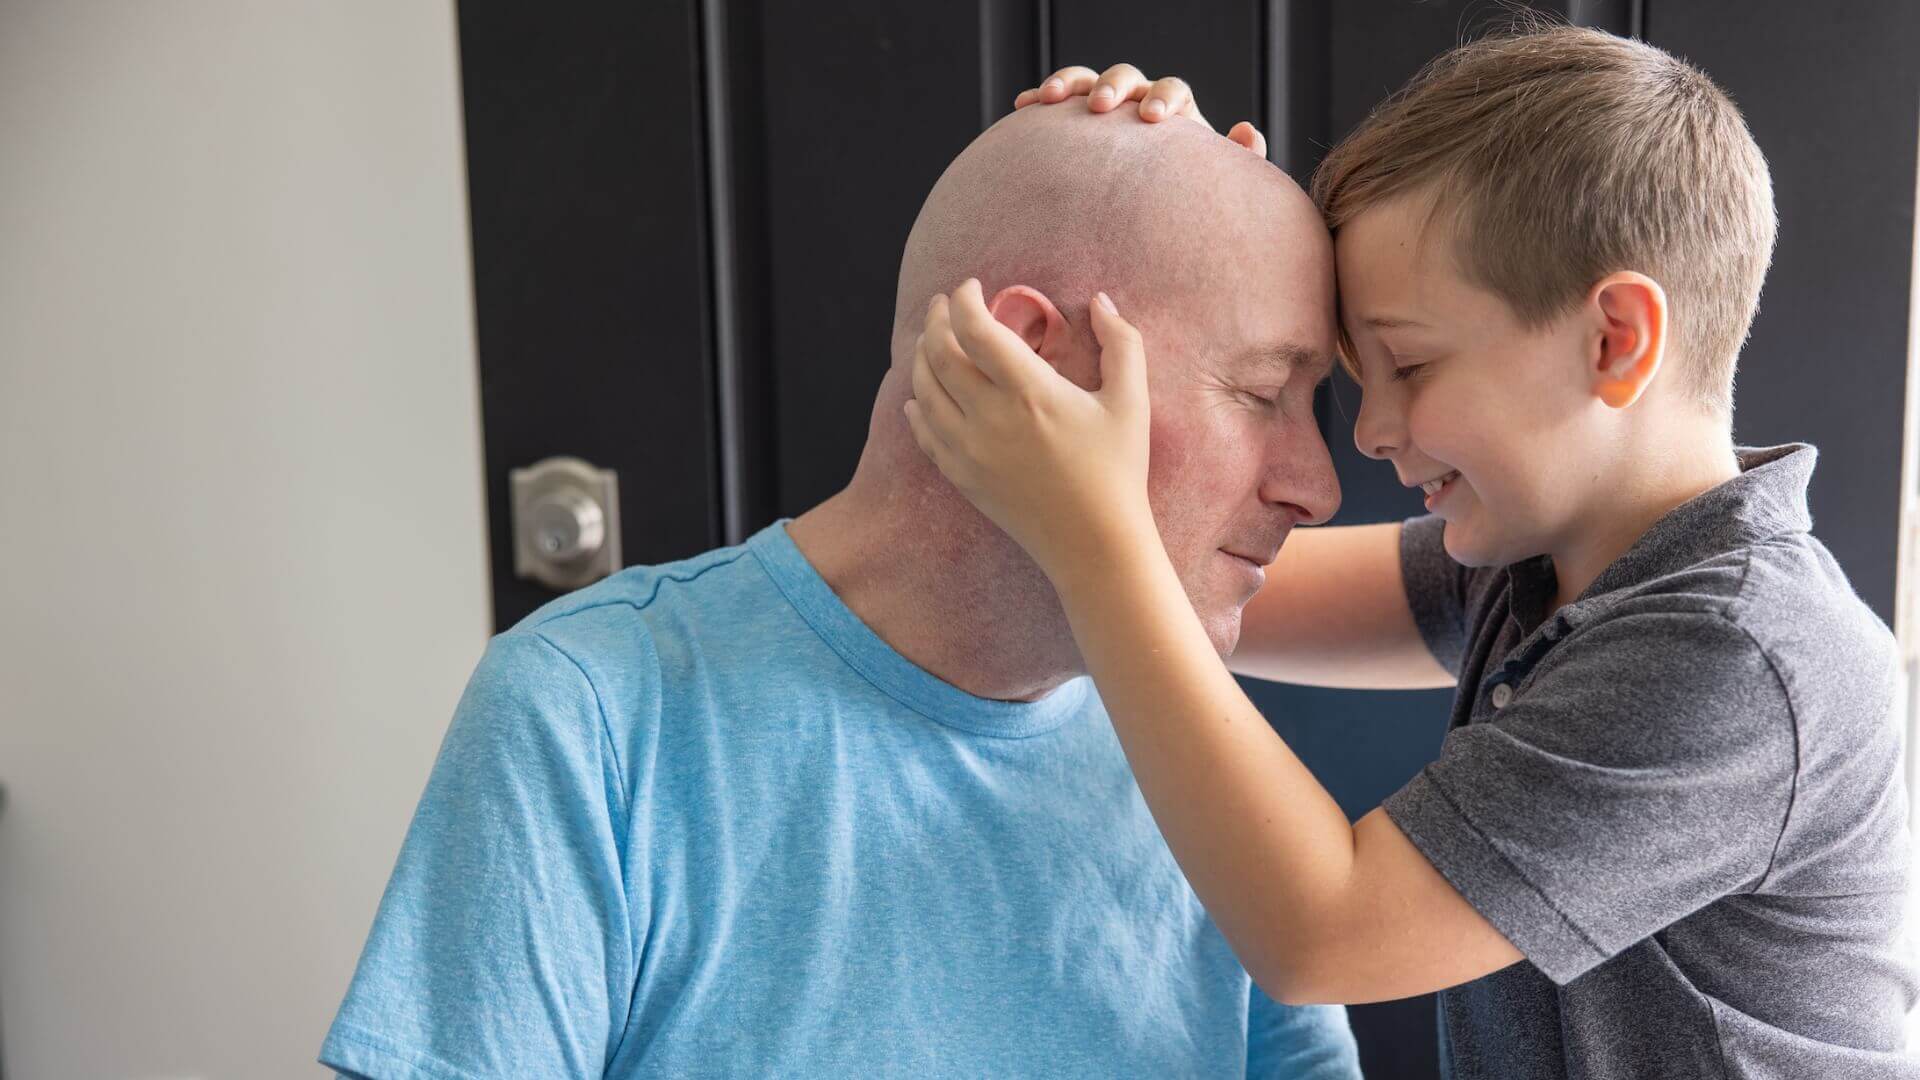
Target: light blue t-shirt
698 820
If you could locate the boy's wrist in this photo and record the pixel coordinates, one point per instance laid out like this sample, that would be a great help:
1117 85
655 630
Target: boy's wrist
1101 554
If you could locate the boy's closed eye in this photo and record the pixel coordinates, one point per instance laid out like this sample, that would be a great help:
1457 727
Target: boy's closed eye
1405 368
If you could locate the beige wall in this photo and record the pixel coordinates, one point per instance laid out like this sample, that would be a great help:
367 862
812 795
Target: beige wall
241 524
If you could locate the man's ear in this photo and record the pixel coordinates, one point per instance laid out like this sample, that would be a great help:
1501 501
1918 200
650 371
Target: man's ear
1631 312
1030 314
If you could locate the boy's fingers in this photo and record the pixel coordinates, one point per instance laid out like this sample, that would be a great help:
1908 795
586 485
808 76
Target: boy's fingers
1166 97
1249 136
1123 355
1121 82
942 413
946 360
1065 83
924 437
996 352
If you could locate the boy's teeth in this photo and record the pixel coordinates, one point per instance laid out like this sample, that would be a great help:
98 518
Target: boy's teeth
1432 486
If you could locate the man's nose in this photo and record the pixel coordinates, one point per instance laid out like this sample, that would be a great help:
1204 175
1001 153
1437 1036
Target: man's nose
1379 431
1302 479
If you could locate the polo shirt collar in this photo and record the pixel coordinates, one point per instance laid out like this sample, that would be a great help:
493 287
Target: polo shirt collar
1768 498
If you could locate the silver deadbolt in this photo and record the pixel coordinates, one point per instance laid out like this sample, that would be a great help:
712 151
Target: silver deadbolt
566 525
566 522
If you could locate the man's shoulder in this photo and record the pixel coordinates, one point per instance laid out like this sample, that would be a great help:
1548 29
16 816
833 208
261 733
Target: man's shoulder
636 589
629 634
673 597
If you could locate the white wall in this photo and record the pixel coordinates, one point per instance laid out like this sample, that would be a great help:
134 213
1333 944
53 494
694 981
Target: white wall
241 520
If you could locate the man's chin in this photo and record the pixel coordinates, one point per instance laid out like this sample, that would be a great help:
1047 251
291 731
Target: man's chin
1224 631
1219 603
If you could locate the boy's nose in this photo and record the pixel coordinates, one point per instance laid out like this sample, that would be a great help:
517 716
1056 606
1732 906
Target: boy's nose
1377 431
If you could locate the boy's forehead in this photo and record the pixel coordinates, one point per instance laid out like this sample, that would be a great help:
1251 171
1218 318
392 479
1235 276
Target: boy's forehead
1396 265
1402 234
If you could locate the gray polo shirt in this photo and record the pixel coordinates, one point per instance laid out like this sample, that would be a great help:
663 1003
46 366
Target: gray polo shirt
1680 797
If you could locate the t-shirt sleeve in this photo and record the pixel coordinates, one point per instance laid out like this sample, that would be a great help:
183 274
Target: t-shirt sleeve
1643 771
1298 1042
503 946
1437 589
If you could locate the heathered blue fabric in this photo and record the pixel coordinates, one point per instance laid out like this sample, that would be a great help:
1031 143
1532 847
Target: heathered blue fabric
699 821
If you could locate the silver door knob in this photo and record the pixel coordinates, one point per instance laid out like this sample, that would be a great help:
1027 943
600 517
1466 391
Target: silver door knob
566 522
566 525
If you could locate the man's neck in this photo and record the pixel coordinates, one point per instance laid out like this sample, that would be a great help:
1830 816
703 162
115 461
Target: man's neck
943 588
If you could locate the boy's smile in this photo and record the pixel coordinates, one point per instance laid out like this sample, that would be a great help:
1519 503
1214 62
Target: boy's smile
1486 417
1434 488
1516 434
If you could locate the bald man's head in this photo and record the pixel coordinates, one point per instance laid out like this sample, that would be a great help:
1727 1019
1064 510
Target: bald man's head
1067 202
1218 259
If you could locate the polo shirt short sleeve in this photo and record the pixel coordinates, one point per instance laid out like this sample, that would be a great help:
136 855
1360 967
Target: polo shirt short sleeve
1642 771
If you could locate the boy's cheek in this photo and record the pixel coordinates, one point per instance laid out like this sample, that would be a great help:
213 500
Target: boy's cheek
1445 420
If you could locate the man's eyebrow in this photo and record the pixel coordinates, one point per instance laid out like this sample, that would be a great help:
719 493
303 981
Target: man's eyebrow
1384 322
1290 357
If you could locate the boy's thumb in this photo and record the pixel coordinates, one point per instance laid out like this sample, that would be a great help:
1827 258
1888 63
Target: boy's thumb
1123 356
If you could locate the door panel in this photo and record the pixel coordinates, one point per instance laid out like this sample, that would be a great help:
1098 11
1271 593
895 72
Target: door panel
864 105
585 175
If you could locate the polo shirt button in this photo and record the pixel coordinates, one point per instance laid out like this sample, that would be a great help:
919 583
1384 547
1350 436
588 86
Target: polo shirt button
1502 693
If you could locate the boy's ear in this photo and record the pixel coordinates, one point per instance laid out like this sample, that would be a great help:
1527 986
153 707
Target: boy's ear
1030 314
1631 311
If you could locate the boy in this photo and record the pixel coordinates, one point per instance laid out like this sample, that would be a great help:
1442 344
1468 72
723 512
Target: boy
1665 835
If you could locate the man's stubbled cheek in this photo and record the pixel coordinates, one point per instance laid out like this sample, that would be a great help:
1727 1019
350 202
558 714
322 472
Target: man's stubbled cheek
1169 469
1188 477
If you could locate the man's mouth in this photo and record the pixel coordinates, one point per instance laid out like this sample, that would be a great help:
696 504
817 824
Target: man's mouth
1256 559
1259 550
1433 486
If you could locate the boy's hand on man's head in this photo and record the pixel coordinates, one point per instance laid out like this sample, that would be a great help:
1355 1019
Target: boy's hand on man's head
1159 98
1062 469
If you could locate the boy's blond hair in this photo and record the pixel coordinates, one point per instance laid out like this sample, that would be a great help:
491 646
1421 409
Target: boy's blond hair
1559 155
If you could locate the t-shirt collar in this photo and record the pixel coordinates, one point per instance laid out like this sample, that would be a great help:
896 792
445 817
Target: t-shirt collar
1768 498
893 674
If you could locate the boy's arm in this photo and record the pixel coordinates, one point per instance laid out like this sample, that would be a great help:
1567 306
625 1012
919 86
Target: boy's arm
1634 776
1640 774
1317 909
1334 612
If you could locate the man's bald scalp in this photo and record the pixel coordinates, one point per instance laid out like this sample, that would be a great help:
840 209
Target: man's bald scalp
1068 202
